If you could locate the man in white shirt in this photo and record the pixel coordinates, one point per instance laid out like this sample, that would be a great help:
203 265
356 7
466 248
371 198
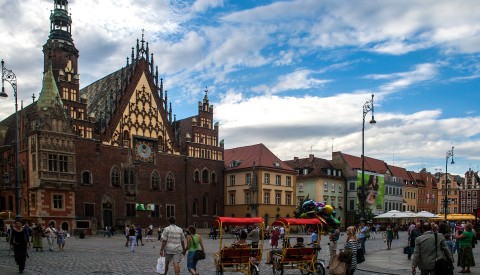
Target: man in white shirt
173 246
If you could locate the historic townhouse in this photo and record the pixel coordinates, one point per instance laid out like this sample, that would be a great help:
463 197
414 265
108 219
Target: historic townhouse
412 187
319 180
394 191
470 193
258 184
111 153
451 190
375 171
427 194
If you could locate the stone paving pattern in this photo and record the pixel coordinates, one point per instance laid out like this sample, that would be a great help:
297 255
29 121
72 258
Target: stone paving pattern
99 255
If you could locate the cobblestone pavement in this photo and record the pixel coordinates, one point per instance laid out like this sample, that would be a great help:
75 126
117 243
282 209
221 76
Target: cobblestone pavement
99 255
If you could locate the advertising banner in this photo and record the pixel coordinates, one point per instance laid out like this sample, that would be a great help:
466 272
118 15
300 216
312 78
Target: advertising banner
374 191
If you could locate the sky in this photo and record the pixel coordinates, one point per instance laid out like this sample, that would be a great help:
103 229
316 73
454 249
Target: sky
293 75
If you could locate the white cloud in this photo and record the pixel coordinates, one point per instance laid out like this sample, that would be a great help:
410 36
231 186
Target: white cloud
298 80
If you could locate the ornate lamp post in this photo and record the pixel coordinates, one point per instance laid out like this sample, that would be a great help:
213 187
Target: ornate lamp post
10 77
367 107
445 199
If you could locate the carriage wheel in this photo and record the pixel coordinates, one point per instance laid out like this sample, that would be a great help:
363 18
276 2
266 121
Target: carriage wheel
320 269
277 267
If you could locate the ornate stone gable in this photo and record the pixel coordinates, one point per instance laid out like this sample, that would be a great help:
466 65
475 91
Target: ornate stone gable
143 117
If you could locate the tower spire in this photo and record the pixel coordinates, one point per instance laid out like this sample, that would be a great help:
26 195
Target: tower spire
60 22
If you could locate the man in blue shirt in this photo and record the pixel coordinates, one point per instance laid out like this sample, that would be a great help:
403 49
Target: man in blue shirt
362 236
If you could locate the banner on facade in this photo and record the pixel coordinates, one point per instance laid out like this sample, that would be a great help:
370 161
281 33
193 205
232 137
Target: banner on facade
144 207
374 191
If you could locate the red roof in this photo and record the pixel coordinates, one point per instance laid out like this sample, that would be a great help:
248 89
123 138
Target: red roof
371 164
400 172
254 155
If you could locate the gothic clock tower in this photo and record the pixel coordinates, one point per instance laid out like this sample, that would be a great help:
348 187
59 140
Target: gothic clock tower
61 51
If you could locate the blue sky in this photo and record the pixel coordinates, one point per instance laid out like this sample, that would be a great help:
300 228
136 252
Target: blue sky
293 75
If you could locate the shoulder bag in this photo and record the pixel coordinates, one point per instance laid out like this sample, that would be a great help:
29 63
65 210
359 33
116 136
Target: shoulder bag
199 254
337 267
442 266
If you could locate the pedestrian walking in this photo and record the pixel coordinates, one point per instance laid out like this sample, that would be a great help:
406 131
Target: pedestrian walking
362 236
465 252
254 235
149 234
38 238
61 235
389 233
50 234
332 245
353 245
194 243
173 246
127 234
413 235
20 243
139 235
159 231
429 247
132 236
275 237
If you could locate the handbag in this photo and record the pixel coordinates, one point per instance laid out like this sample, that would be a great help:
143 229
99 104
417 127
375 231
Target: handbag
199 254
345 256
160 265
442 265
360 255
337 267
406 249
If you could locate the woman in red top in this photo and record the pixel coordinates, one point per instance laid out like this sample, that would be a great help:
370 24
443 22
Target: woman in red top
275 237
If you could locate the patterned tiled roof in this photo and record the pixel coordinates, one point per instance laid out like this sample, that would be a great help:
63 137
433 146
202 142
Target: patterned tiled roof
254 155
98 92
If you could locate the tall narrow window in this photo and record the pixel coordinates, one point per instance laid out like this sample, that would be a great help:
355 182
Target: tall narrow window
63 163
232 180
155 180
170 182
205 175
195 208
278 179
170 210
205 205
52 162
115 176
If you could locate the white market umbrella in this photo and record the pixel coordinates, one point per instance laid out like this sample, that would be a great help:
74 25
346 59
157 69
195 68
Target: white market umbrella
426 214
393 214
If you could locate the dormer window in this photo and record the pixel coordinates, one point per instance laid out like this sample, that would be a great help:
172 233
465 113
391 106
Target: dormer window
235 163
276 164
305 171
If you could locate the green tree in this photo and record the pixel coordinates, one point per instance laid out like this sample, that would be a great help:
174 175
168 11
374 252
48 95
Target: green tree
368 214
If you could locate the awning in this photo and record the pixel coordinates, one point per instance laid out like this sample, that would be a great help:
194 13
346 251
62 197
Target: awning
455 217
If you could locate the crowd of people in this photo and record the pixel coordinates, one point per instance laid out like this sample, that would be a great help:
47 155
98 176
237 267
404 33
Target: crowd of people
22 236
426 241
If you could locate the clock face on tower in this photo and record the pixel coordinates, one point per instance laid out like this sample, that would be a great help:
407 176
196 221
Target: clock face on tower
144 151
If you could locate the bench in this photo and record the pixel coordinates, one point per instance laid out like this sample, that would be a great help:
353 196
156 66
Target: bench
297 254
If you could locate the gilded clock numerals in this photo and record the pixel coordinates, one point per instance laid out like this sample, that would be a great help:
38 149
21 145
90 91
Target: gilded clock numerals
143 151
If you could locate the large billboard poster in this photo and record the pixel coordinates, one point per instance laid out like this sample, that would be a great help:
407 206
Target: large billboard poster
374 191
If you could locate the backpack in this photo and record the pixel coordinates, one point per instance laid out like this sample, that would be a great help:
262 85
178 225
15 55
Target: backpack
367 233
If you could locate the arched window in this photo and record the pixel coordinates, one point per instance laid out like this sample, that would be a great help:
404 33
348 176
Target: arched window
155 181
214 178
128 177
205 176
205 205
195 208
86 178
115 176
170 182
196 176
215 209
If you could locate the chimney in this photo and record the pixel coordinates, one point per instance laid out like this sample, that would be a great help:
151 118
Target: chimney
310 157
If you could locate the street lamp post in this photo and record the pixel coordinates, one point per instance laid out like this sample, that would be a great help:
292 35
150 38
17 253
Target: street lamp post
445 200
10 77
367 107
